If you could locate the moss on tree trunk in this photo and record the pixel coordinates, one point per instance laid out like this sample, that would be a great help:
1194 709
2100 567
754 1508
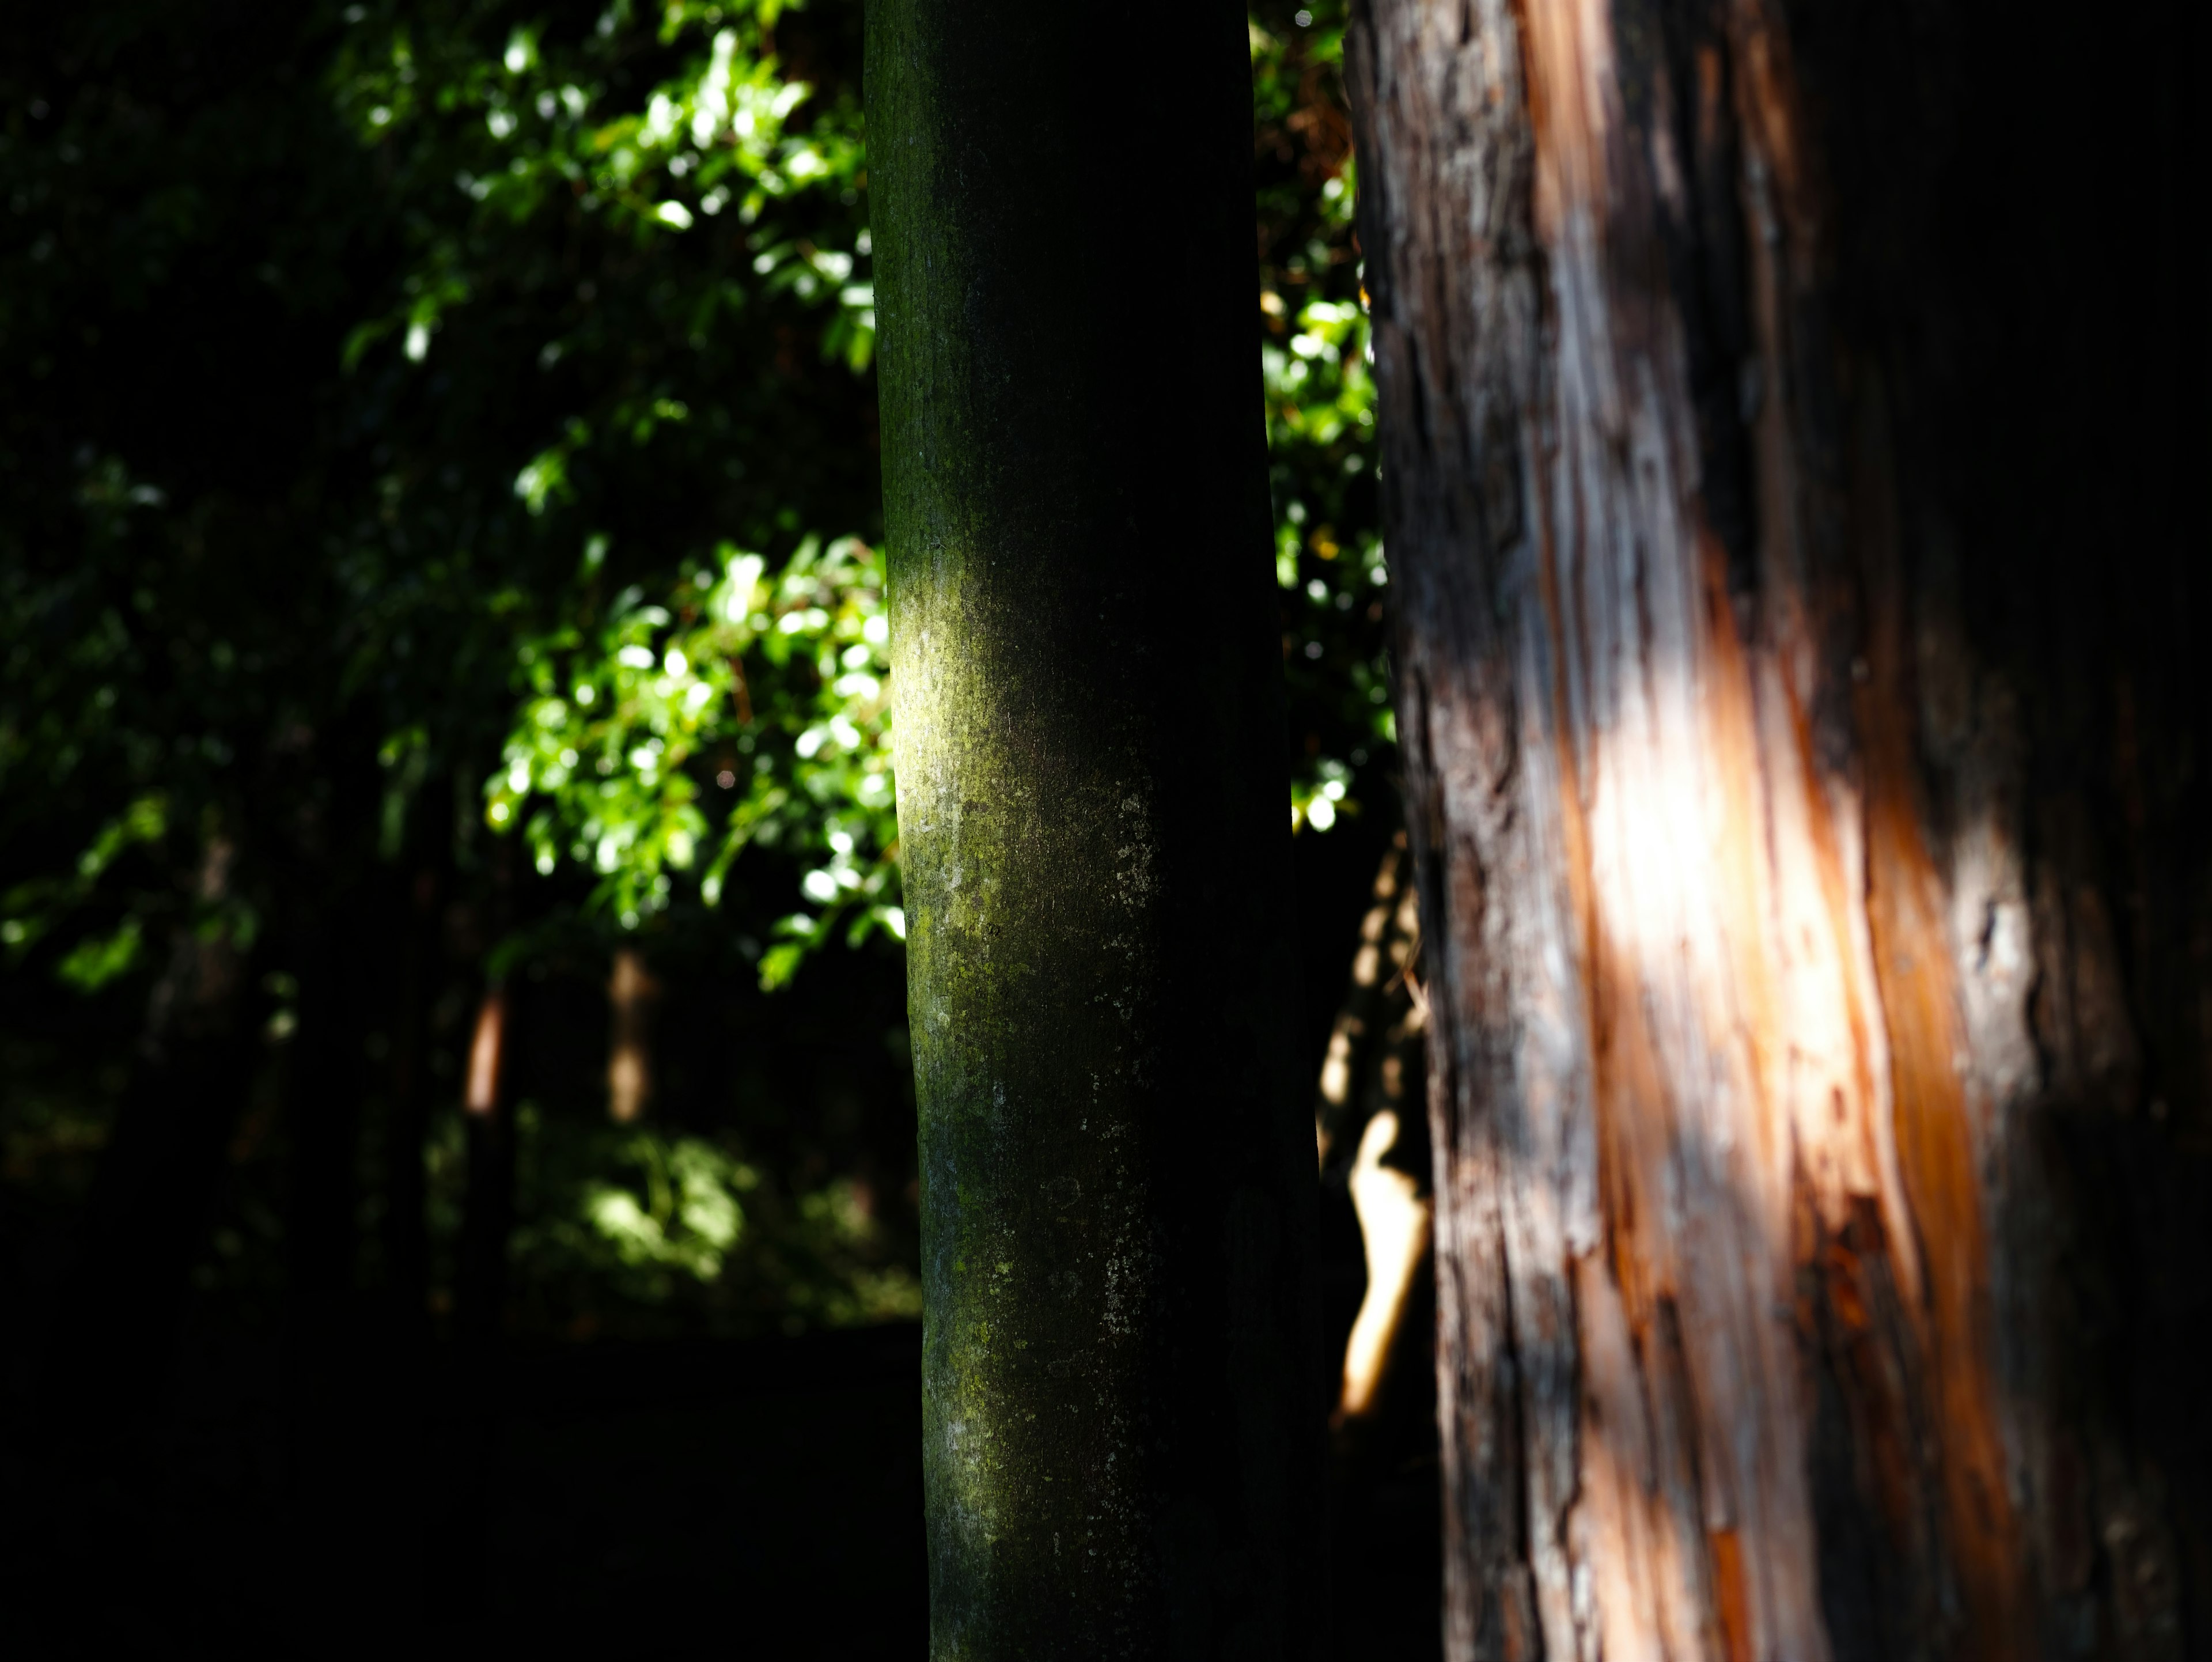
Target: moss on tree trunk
1120 1365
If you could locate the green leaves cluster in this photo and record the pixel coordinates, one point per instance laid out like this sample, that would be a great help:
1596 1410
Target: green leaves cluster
684 1216
749 709
615 740
656 219
31 908
541 129
683 1222
720 698
1316 365
481 357
1320 420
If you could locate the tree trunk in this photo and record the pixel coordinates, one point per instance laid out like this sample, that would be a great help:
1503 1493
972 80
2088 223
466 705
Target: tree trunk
1786 436
323 1081
1122 1395
326 1477
488 1203
464 1424
155 1187
631 990
1369 1131
405 1231
112 1353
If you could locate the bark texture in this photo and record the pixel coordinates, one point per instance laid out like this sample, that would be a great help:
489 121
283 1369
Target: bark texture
1121 1389
488 1205
116 1318
1786 431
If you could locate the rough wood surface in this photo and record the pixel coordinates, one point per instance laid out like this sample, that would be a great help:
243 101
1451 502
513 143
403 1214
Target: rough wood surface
1767 987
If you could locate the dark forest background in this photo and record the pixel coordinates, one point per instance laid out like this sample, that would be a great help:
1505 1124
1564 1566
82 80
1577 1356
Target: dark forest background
440 597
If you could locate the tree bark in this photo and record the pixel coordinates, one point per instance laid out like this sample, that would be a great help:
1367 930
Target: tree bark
326 1477
406 1232
1122 1387
1369 1129
464 1431
631 990
96 1456
1785 435
323 1088
156 1183
488 1203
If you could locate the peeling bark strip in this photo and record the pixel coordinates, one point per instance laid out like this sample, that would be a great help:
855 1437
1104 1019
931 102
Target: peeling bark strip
1794 591
1121 1388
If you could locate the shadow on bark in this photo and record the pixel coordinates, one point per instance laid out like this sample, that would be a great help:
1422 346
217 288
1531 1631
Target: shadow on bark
1795 576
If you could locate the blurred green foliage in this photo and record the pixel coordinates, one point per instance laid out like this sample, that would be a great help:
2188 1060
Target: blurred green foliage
777 687
722 190
787 703
679 1222
1316 363
447 429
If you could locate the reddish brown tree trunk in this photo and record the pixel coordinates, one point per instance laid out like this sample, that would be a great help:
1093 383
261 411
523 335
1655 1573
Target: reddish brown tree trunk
631 990
1786 433
488 1205
407 1115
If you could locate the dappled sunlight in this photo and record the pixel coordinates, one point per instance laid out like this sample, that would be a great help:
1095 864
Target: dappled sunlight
486 1051
1394 1226
1707 1141
452 872
631 993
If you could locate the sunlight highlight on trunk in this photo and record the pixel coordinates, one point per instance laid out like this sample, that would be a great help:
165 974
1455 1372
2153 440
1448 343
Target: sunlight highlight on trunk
487 1052
631 993
1393 1231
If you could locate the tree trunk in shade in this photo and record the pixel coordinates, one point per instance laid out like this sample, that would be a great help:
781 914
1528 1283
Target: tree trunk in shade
94 1446
631 990
488 1204
1122 1395
326 1478
1787 414
322 1094
407 1119
147 1217
465 1433
1369 1129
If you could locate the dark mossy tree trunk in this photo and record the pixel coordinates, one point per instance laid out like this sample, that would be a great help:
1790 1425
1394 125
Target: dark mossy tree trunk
457 1554
1123 1393
118 1311
322 1091
488 1203
404 1229
151 1201
1792 418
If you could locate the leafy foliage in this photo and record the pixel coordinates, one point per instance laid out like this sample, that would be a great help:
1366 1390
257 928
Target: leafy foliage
831 791
778 686
498 478
1321 417
684 1223
725 192
182 221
